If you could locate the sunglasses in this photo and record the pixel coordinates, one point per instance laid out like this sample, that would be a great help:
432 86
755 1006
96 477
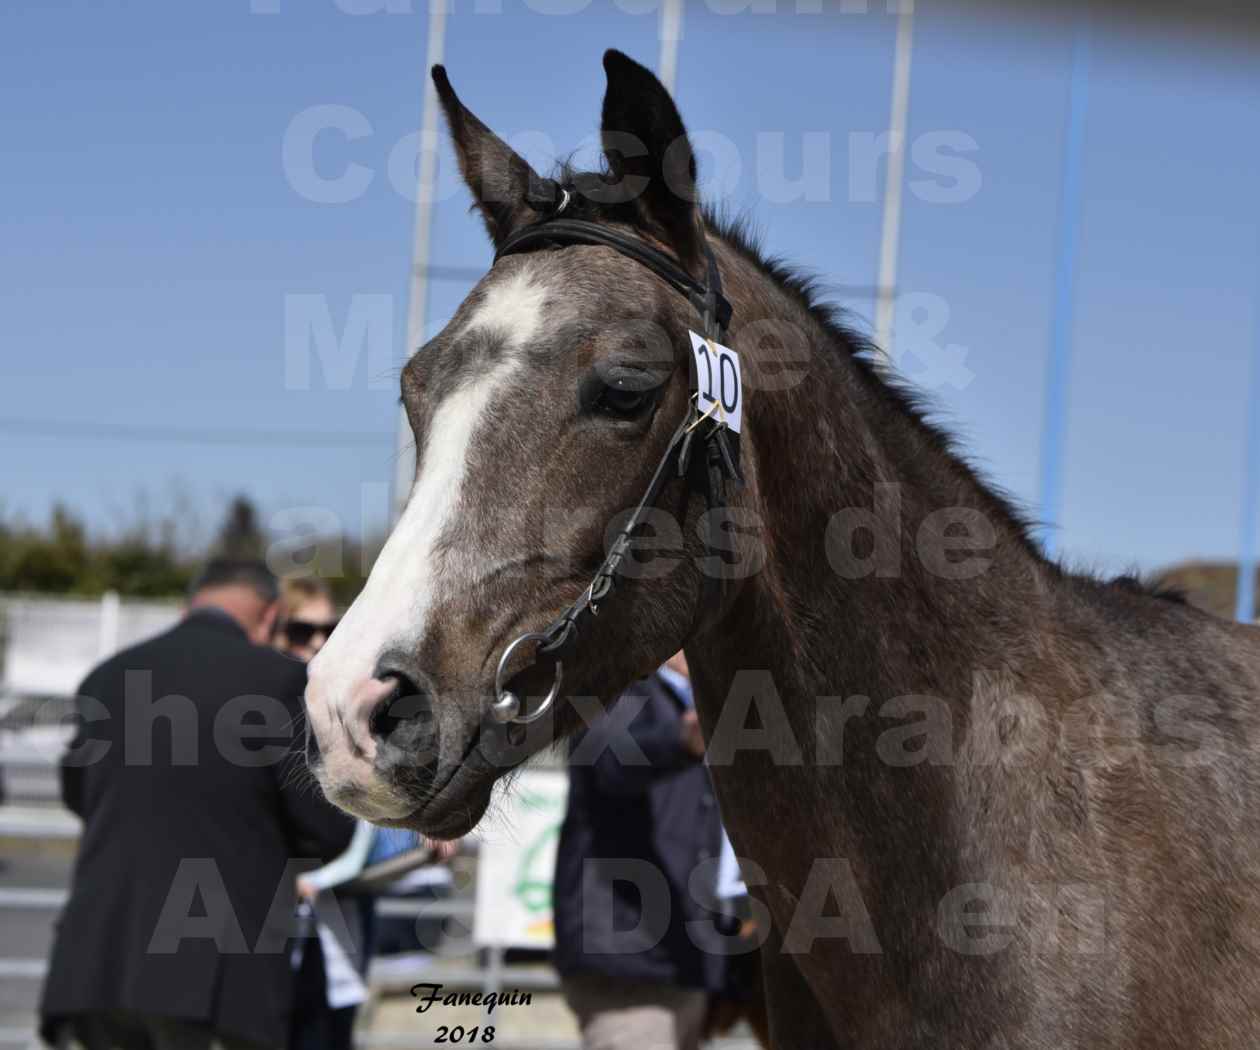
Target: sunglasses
301 632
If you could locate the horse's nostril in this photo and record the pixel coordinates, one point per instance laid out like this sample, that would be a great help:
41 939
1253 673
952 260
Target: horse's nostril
407 704
405 727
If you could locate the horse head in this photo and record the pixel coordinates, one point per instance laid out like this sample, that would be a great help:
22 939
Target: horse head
542 413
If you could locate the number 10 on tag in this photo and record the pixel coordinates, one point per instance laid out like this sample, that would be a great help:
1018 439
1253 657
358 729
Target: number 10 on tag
717 377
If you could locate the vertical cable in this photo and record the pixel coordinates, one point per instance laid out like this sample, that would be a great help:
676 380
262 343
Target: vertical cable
1067 251
671 32
1249 540
890 241
418 290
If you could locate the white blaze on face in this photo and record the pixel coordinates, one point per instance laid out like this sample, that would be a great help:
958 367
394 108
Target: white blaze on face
393 608
512 310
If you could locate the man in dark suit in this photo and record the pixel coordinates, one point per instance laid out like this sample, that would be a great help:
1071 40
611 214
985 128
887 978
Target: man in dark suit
639 950
195 808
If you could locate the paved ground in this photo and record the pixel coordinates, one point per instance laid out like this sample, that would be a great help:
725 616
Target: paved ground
26 933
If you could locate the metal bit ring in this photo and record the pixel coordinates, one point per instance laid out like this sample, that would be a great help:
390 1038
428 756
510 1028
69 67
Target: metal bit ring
507 705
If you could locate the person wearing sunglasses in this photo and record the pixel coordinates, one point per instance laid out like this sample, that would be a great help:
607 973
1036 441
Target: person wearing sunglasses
327 992
307 617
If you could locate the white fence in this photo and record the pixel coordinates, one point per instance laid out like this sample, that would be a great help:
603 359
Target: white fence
50 644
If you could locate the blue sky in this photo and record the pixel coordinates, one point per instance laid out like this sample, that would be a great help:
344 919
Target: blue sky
152 233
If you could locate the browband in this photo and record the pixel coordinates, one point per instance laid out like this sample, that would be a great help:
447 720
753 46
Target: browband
557 233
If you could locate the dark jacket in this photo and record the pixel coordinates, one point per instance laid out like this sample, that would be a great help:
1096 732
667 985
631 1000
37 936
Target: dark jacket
633 834
193 802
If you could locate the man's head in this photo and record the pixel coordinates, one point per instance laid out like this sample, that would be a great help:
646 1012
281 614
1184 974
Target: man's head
245 590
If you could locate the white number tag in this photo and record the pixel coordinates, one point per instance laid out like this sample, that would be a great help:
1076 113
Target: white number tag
717 374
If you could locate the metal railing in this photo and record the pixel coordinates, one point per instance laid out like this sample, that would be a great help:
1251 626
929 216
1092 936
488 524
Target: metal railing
475 969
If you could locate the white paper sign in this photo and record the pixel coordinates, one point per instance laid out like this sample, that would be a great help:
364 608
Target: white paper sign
516 862
717 373
730 881
343 985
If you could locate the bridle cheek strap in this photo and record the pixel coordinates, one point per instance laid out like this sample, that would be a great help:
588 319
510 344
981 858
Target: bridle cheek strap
707 474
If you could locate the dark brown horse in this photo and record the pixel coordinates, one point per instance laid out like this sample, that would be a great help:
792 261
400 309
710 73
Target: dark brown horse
984 802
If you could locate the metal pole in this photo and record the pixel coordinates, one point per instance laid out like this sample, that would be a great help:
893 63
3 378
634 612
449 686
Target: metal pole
418 295
671 32
1067 251
890 241
107 639
1248 555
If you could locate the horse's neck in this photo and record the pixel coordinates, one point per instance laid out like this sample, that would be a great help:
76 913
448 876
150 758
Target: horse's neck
831 614
792 682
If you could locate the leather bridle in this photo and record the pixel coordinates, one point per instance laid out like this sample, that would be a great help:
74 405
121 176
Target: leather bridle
707 474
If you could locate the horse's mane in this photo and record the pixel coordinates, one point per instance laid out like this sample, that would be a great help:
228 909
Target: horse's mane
739 233
911 403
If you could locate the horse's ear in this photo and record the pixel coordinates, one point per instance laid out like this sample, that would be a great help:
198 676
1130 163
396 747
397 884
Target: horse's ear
650 156
506 190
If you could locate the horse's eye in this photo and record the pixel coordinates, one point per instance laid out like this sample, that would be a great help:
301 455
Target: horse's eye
624 402
618 393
